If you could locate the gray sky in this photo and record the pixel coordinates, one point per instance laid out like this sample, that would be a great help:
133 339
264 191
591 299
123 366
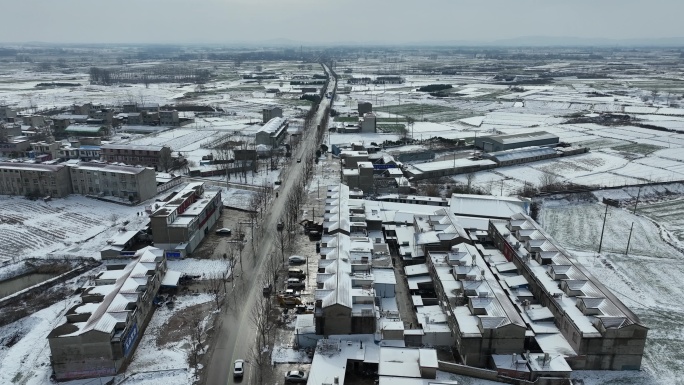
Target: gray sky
326 21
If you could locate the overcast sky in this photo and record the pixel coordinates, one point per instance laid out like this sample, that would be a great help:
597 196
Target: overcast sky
330 21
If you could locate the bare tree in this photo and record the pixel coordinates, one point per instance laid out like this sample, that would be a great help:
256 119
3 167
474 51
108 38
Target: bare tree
470 178
281 242
165 160
216 287
432 190
223 159
260 318
547 181
194 325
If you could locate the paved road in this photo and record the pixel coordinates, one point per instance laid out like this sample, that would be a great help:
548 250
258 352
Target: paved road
236 334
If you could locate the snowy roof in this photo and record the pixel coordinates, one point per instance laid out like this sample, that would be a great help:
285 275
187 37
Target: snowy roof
522 137
384 276
113 308
273 126
171 278
487 206
515 281
70 116
330 360
539 313
400 362
337 284
521 153
305 324
80 128
448 165
115 168
555 363
136 147
419 269
30 166
564 267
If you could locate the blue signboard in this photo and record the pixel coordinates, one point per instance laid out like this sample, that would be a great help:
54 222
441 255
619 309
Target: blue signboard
173 254
383 166
129 339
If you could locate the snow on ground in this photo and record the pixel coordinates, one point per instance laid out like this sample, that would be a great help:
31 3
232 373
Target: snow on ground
287 355
74 225
201 267
235 197
150 356
28 360
647 279
338 138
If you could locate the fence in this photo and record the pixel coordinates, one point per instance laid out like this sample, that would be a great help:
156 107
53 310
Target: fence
170 184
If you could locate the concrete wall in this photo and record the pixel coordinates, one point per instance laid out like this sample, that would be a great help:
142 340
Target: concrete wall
469 371
337 320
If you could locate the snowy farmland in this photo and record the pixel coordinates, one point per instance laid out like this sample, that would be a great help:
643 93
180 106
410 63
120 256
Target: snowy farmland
36 229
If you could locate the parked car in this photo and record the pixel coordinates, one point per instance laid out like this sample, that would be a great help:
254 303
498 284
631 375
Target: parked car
267 290
295 283
299 160
238 368
296 260
223 231
296 376
295 273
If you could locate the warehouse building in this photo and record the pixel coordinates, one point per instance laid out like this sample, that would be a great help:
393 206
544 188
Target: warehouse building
272 133
509 142
442 168
521 155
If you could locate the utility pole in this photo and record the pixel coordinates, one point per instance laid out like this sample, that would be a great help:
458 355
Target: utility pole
501 194
637 201
629 239
605 216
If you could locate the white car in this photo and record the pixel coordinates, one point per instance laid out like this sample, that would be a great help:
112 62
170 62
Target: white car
296 260
223 231
238 368
296 376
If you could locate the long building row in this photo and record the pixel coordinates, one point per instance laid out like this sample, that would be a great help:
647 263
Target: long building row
131 183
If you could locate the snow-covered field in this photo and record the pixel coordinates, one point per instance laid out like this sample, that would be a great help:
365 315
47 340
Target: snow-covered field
74 226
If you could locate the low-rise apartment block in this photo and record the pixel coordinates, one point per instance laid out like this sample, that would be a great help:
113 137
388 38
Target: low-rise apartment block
157 157
179 225
132 183
37 179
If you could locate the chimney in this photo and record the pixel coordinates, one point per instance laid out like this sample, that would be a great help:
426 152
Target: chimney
546 359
